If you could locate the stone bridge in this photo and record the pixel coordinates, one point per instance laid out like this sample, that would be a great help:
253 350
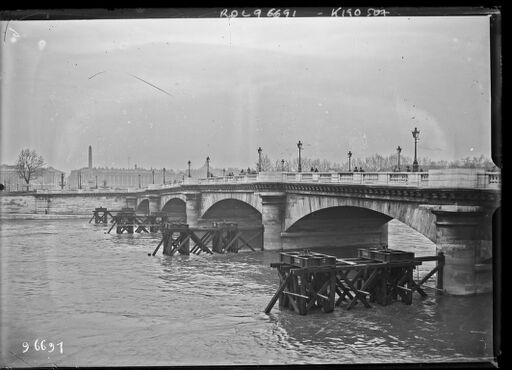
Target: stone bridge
452 208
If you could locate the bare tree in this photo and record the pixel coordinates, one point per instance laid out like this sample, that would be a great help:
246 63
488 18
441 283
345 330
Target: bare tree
266 164
377 162
29 165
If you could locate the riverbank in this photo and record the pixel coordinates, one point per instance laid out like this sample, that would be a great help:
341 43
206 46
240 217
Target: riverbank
39 216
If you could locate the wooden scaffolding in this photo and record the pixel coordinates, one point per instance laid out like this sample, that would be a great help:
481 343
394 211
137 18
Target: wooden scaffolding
313 280
101 215
127 220
219 238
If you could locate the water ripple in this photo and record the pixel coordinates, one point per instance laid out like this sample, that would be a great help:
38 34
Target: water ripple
112 305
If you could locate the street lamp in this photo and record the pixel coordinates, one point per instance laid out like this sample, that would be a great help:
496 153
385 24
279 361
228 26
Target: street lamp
259 159
416 136
164 176
349 160
96 181
189 168
282 165
153 174
208 167
299 145
62 181
399 150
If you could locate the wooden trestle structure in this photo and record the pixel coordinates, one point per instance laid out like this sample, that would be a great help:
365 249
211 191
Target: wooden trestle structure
100 215
127 220
219 238
313 280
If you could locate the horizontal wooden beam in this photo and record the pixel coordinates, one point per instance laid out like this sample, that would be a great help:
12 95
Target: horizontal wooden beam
296 295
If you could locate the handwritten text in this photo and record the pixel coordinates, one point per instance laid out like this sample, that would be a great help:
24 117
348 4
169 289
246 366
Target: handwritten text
43 345
277 12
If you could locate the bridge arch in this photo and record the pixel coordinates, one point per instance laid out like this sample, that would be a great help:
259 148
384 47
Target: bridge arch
338 226
331 218
233 210
210 199
176 209
247 217
164 198
418 217
143 206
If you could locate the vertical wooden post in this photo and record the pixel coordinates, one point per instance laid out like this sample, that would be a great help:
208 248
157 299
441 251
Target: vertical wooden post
301 285
184 246
440 264
384 286
216 246
329 305
408 284
166 237
283 277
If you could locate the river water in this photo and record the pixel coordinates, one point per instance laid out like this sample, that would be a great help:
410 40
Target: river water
102 301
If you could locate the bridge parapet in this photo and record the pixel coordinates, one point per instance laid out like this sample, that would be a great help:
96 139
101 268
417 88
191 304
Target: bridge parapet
463 178
443 178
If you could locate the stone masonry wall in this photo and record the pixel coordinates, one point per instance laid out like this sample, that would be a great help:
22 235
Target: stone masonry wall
69 204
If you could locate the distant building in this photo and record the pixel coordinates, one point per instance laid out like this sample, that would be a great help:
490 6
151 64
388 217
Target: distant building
48 178
118 178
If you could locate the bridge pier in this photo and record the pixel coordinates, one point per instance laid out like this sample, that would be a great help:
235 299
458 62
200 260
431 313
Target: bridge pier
193 208
464 235
154 203
131 202
272 217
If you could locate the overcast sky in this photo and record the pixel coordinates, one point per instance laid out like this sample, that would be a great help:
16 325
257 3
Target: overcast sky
160 92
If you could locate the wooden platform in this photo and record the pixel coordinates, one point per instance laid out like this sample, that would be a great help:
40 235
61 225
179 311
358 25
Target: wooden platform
218 238
312 280
127 220
101 215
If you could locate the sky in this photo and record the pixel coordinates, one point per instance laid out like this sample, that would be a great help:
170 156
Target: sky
160 92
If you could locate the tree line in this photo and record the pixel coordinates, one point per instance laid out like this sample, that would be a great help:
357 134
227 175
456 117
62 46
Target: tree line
375 162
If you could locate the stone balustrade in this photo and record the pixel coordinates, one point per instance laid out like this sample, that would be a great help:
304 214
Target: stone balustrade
445 178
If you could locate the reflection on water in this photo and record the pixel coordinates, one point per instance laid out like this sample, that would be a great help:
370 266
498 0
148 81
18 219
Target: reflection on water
111 304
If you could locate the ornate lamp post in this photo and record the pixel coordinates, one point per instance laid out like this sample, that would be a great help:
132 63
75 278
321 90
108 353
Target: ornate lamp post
153 174
96 181
208 167
399 150
416 136
282 165
349 161
139 180
164 176
62 181
188 168
259 159
299 145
